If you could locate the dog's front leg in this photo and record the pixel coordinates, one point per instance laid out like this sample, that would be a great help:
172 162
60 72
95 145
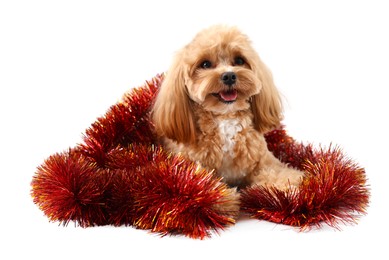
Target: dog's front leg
271 172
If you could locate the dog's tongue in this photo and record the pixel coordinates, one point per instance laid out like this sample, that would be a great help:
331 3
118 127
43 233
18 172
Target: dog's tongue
229 95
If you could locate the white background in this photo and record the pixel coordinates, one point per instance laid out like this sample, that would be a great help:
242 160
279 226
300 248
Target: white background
63 63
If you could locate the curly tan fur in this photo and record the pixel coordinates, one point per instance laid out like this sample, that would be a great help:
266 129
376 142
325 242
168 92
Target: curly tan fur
219 125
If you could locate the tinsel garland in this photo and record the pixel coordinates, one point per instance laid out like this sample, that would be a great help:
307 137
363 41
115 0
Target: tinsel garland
333 191
119 175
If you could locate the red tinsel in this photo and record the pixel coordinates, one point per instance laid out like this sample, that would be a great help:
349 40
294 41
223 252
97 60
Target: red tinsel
125 123
333 191
120 176
168 194
69 187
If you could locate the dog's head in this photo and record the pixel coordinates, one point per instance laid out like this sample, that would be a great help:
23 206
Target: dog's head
220 71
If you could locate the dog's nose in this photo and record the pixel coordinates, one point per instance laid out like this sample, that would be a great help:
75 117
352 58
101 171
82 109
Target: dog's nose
228 78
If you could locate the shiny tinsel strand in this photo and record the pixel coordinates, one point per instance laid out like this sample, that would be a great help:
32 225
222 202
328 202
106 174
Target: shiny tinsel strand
169 195
333 192
124 123
287 150
69 187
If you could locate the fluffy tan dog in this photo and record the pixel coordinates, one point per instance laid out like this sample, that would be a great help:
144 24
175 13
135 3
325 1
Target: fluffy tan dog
214 105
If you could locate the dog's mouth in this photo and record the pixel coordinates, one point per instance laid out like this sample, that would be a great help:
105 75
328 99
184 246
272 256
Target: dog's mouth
228 96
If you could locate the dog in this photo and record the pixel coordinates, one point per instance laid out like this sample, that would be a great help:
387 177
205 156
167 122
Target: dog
215 104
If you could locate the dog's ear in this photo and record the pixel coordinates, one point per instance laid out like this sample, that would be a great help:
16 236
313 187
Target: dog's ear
172 113
267 105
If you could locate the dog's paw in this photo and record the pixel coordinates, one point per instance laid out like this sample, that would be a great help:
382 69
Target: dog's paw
282 178
229 205
294 178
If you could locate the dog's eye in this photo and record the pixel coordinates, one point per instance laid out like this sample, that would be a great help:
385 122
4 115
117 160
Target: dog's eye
206 64
239 61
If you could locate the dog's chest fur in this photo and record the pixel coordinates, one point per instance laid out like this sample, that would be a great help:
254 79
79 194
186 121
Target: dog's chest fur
228 133
228 144
228 129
